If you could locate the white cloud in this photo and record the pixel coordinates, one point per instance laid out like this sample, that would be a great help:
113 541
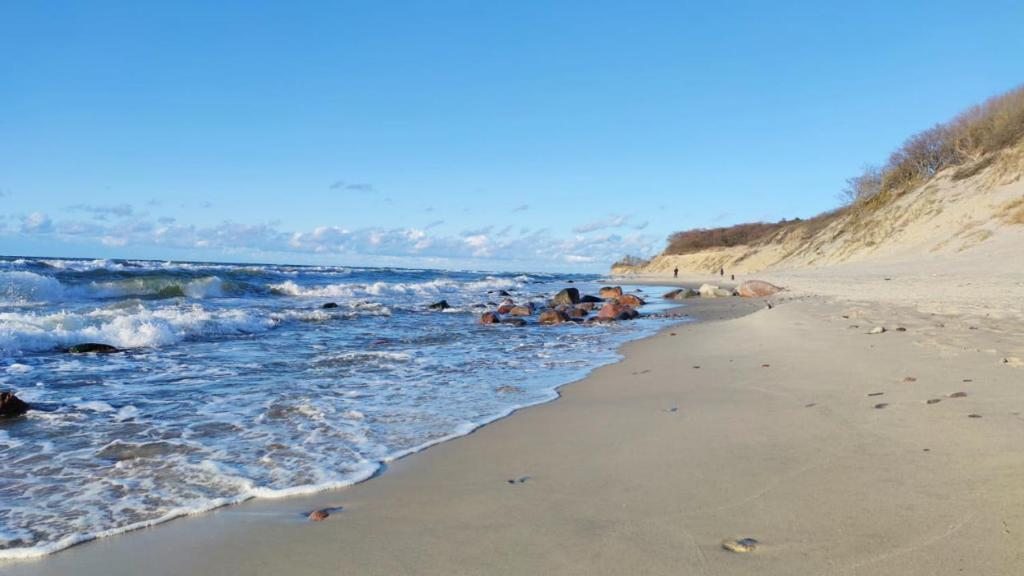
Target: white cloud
36 223
613 221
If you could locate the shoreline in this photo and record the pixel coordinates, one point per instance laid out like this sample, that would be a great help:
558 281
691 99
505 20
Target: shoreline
616 482
76 541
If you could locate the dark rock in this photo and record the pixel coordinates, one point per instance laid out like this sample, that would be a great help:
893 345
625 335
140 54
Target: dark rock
518 322
552 317
568 297
92 348
610 292
681 294
503 293
330 305
490 318
442 305
12 406
591 299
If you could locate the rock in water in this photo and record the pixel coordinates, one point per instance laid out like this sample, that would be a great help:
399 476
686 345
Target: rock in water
330 305
92 348
740 545
518 322
567 297
552 317
591 299
521 310
631 300
757 289
610 292
12 406
490 318
442 305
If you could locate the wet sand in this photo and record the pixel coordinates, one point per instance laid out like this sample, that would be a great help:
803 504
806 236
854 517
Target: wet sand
792 426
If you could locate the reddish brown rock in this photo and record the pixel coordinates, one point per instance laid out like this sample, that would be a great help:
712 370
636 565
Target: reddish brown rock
11 405
611 310
588 306
610 292
505 308
577 312
757 289
319 515
552 317
490 318
631 300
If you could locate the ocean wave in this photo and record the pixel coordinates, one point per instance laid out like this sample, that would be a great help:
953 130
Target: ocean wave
437 287
132 327
22 287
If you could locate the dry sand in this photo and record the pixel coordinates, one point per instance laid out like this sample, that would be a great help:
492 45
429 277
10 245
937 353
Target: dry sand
792 426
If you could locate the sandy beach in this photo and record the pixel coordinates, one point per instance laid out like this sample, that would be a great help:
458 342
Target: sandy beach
839 451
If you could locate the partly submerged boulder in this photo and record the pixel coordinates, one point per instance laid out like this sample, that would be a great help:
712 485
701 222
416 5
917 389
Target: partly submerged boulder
610 292
552 317
330 305
613 310
514 322
591 299
577 313
757 289
12 406
490 318
567 297
440 305
631 300
521 310
92 348
505 308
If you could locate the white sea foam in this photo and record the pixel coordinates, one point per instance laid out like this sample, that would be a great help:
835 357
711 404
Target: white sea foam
22 287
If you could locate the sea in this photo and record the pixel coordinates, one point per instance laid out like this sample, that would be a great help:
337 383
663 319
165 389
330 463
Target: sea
235 382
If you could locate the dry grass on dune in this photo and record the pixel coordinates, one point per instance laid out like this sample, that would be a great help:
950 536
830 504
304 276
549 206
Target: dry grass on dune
970 143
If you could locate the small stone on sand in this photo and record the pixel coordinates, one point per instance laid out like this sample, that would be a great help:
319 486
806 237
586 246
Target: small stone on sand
880 406
696 367
520 480
740 545
766 365
933 400
877 330
811 405
319 515
974 415
910 379
958 395
876 393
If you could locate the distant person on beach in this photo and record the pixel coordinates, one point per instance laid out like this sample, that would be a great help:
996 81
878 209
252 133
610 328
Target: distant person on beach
675 273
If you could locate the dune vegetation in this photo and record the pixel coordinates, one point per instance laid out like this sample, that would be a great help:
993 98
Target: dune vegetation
968 144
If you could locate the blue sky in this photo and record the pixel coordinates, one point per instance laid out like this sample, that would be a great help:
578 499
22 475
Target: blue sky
528 136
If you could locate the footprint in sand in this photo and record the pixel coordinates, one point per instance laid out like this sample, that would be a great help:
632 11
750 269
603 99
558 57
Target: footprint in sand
909 379
672 409
740 545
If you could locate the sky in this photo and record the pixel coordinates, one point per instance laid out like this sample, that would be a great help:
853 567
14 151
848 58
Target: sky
499 136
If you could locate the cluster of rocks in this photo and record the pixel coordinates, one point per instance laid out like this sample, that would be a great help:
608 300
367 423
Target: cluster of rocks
568 305
748 289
